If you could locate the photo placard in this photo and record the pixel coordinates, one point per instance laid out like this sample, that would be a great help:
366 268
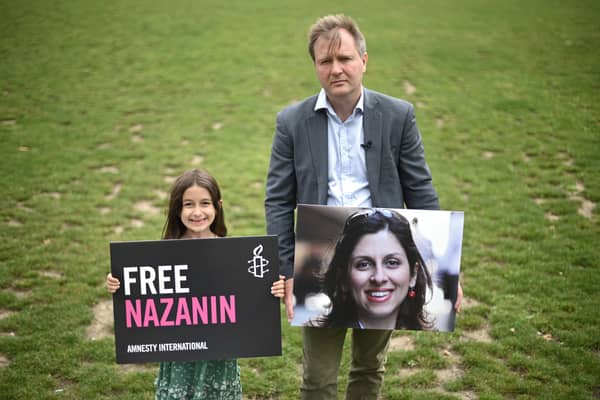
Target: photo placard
376 268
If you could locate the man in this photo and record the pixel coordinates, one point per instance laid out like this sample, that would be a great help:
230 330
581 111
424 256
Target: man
346 146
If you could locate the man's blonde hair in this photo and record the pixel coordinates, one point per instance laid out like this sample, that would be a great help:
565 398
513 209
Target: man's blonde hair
329 27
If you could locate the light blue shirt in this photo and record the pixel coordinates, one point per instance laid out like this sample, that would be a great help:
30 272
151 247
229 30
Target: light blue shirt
347 168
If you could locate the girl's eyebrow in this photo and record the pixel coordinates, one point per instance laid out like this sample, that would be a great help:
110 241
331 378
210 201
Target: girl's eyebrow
200 200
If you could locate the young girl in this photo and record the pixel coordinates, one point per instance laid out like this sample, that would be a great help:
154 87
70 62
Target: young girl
196 211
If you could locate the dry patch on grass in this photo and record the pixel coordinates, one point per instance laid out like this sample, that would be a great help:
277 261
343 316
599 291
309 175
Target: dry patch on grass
51 274
103 210
63 386
131 368
402 343
108 169
161 194
567 161
69 225
465 187
19 294
479 335
146 207
409 88
197 160
452 373
468 302
443 376
3 361
118 229
14 223
136 128
5 314
448 374
136 223
101 326
114 192
488 155
467 395
407 372
551 217
52 195
137 138
23 207
587 207
169 179
217 126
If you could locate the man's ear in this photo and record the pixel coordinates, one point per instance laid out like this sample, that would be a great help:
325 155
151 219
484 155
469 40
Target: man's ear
365 58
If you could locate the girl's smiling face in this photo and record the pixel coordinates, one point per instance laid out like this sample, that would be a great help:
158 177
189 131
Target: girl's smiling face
379 277
197 212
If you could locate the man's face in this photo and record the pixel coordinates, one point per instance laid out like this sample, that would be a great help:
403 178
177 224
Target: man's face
340 70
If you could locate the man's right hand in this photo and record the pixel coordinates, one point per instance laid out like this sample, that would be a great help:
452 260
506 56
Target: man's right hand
288 299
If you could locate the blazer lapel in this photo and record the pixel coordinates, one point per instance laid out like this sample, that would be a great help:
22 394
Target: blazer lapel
316 126
372 124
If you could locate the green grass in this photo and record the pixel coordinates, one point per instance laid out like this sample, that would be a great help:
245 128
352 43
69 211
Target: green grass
102 102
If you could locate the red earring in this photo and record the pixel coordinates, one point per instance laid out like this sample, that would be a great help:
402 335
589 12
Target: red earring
412 292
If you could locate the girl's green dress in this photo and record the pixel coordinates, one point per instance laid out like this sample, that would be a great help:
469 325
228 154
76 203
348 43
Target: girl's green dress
195 380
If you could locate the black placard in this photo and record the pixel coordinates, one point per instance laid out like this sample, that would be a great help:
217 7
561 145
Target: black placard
196 299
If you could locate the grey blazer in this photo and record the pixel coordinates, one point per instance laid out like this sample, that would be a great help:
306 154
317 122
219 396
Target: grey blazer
396 169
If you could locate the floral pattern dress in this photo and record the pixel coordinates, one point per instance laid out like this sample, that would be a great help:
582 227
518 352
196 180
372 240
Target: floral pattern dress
195 380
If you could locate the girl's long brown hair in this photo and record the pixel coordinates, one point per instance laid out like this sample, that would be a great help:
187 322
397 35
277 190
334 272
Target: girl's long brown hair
174 228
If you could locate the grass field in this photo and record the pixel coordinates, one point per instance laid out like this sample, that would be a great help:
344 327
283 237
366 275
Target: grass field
103 103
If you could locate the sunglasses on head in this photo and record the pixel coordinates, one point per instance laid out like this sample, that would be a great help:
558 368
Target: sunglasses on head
368 214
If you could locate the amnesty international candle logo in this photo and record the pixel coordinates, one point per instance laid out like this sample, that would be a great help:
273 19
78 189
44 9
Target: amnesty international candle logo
258 263
187 300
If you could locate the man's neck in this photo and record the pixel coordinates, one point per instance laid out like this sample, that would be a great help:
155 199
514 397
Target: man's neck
344 107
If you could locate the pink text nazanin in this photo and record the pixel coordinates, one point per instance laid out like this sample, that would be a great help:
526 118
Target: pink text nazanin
171 311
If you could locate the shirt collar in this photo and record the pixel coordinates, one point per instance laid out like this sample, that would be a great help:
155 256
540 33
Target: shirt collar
323 104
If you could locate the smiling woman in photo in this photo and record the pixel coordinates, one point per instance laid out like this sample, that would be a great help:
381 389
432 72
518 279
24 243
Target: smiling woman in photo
376 279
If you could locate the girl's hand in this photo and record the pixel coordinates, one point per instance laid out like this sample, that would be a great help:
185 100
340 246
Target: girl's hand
112 284
278 287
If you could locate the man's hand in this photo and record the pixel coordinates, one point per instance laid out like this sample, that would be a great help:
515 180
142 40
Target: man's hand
459 298
288 299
